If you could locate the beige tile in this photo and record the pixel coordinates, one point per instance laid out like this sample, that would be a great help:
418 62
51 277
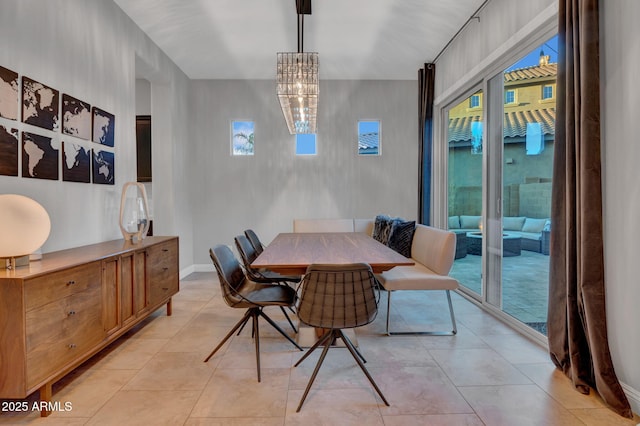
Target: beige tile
434 420
172 371
517 349
520 405
604 416
88 390
483 324
132 353
236 421
473 367
146 408
394 351
344 407
419 390
237 393
555 383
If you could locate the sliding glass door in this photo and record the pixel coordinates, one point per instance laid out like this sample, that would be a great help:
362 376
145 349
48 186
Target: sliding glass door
499 140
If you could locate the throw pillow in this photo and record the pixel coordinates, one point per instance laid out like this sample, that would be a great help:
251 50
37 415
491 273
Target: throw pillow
401 236
454 222
382 228
513 223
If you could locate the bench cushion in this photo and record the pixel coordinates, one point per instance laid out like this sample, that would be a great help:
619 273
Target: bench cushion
416 277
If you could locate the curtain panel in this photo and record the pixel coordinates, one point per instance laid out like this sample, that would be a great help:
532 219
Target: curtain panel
426 79
577 326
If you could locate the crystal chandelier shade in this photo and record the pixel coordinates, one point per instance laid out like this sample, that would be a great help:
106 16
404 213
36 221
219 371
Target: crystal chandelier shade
298 88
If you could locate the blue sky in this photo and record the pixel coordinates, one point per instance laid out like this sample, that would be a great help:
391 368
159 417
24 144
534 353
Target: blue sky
550 47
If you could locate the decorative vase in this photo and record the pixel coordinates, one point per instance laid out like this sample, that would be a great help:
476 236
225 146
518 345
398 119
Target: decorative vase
134 212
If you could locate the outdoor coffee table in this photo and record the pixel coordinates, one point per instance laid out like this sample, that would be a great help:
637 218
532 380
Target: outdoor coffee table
511 244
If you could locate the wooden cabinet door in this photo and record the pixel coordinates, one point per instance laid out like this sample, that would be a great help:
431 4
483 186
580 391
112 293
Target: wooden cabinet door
127 288
141 282
110 283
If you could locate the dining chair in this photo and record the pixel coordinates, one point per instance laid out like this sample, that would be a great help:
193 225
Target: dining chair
240 292
248 255
335 297
255 241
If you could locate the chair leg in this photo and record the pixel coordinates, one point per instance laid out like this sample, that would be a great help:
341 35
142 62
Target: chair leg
274 325
354 353
453 332
240 323
288 319
257 340
354 347
332 337
319 342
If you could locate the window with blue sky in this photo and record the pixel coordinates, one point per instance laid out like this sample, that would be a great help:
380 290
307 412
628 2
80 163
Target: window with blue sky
369 137
242 134
306 144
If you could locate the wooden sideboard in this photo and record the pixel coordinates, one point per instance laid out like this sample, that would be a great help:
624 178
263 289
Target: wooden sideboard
59 311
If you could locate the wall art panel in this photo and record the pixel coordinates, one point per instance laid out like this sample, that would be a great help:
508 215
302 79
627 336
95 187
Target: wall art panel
39 104
103 127
76 117
103 167
8 151
76 163
8 94
39 157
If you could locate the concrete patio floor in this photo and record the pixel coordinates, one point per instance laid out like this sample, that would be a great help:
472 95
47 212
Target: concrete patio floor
525 283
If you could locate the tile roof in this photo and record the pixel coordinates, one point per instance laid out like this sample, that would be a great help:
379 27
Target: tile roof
368 140
515 124
528 73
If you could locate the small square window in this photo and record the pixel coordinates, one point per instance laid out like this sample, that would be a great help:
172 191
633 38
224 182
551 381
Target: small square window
510 97
369 137
242 133
474 101
547 92
306 144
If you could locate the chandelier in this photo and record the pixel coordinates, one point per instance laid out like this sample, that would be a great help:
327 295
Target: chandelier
298 81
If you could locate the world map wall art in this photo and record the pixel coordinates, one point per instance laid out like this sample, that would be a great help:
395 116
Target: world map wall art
8 151
76 117
39 157
8 94
58 132
39 104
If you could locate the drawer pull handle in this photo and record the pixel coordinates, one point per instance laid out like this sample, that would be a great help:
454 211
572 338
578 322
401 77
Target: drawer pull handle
71 346
165 269
72 282
165 249
165 288
72 313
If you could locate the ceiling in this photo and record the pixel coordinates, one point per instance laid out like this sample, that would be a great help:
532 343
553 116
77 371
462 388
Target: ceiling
355 39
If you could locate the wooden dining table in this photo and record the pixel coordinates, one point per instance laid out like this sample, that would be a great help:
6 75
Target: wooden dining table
292 253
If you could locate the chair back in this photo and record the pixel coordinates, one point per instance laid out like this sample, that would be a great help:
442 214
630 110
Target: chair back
338 296
255 241
247 252
230 273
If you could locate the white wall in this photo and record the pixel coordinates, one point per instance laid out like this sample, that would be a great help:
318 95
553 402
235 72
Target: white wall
90 50
268 190
620 62
484 46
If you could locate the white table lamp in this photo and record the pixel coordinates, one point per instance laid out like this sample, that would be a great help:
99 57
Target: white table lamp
24 226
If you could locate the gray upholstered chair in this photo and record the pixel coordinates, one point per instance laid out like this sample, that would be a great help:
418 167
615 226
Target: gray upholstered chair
335 297
240 292
248 255
255 241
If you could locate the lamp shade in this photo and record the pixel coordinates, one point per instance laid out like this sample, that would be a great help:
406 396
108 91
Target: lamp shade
24 225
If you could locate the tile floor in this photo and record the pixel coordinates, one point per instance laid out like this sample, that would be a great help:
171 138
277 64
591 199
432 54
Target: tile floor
486 375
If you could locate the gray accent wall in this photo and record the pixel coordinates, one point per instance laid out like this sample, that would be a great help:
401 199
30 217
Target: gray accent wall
268 190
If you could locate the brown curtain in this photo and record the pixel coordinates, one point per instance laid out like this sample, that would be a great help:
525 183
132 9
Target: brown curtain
577 326
426 79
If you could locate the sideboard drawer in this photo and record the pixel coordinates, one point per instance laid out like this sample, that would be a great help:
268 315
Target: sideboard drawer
57 285
62 330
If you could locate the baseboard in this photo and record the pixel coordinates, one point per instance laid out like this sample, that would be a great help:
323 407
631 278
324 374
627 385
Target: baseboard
203 267
633 395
